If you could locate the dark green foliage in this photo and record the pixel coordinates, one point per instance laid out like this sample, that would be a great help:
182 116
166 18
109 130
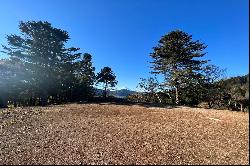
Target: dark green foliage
176 57
85 77
41 69
247 88
238 90
107 77
12 81
41 50
188 80
208 89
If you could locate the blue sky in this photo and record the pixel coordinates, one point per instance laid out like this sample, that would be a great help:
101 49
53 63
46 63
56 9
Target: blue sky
121 33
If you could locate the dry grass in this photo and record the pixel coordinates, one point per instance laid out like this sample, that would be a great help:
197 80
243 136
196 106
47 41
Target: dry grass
119 134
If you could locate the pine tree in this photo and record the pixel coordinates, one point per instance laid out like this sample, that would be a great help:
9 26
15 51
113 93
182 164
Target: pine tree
107 77
41 50
86 77
176 57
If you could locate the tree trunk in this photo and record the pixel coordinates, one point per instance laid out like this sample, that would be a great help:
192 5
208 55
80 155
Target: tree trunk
241 107
210 104
176 84
158 97
105 90
229 104
176 95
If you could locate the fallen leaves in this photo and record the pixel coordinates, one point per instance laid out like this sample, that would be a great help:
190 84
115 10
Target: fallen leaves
121 134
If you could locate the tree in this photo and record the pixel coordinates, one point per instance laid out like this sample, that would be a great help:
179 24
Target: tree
11 81
247 88
86 77
238 89
5 76
149 87
209 89
176 58
41 50
107 77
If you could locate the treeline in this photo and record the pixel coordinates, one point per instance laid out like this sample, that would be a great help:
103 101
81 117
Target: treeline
238 90
41 70
188 78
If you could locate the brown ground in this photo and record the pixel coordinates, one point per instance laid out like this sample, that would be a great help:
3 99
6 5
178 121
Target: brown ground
120 134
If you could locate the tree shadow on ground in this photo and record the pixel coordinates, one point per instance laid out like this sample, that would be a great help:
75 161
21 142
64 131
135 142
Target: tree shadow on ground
120 101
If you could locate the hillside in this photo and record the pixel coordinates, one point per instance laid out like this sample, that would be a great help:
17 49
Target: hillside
238 86
123 134
240 81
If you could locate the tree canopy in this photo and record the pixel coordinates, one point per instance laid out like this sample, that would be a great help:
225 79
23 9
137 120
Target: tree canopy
41 70
40 67
107 77
177 57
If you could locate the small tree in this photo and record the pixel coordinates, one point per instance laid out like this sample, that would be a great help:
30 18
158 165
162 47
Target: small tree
149 85
149 88
107 77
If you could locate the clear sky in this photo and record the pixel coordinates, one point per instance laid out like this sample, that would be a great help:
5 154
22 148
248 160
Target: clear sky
121 33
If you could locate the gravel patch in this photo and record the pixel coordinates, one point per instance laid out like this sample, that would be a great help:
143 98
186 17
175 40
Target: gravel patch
121 134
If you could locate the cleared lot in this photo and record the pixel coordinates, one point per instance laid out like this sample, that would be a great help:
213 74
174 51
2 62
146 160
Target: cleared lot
122 134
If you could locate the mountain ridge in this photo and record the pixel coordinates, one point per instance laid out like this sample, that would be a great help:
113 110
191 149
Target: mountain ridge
121 93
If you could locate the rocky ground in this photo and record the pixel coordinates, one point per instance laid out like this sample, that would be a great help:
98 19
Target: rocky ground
122 134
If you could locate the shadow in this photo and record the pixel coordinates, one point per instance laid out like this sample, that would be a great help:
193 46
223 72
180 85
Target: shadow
122 101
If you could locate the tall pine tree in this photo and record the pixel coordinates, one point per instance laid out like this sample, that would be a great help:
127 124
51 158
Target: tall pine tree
41 49
176 57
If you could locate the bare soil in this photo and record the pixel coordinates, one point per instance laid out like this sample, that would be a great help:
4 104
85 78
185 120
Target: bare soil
122 134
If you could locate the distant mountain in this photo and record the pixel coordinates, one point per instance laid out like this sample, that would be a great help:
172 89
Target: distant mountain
122 93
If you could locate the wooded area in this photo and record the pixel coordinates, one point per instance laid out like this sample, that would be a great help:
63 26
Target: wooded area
41 70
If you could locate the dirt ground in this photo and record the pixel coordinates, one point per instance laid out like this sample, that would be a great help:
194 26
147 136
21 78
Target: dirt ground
122 134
